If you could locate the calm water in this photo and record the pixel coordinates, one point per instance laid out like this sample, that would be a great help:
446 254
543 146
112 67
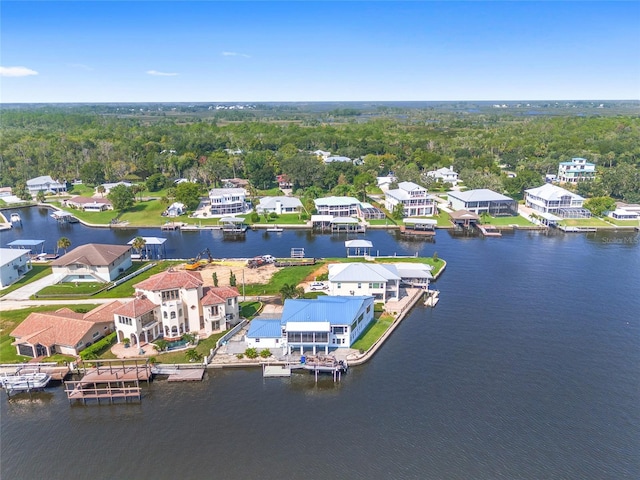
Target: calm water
529 368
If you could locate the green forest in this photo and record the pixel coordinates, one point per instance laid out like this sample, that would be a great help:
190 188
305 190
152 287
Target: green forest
159 144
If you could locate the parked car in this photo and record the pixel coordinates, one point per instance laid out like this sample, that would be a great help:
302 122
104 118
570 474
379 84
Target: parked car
319 286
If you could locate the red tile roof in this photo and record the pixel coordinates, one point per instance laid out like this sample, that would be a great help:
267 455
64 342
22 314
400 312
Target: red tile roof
62 327
217 295
136 307
92 254
171 279
104 312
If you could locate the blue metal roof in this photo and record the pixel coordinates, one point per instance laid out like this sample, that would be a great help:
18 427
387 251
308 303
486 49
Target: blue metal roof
25 243
335 310
264 328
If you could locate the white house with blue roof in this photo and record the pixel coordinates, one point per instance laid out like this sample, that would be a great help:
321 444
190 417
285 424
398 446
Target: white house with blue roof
313 324
380 281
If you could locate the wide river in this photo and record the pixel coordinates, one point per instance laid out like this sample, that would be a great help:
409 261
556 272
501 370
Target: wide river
528 368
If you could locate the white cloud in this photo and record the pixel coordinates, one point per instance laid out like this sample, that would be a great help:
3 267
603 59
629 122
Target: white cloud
161 74
16 72
235 54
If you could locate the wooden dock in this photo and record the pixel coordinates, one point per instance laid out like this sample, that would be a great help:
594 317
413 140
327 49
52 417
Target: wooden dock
104 371
110 390
187 375
55 371
413 232
274 371
489 231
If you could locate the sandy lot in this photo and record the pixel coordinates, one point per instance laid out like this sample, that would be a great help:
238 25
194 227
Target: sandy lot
239 268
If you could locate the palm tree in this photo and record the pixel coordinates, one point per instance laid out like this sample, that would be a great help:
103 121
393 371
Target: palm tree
64 243
291 291
40 197
193 355
138 244
101 190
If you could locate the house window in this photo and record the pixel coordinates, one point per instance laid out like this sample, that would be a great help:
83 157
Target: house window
257 340
230 302
368 308
214 311
96 334
359 285
339 285
215 325
173 315
164 314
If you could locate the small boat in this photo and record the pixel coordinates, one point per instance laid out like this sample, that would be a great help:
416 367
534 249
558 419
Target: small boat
275 228
15 218
25 382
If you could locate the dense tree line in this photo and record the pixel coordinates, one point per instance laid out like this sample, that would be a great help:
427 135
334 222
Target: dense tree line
80 144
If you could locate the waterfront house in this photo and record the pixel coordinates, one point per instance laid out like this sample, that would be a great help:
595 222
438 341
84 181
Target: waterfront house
88 204
45 184
279 205
63 331
313 324
110 186
483 200
14 263
380 281
414 199
220 308
623 214
576 170
178 293
92 262
445 175
228 201
138 321
337 206
556 200
174 210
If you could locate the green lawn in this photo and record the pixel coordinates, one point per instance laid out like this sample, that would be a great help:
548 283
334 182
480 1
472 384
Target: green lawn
386 221
204 346
71 289
82 190
284 219
36 273
373 332
249 309
505 221
126 289
584 222
289 275
623 223
443 219
12 318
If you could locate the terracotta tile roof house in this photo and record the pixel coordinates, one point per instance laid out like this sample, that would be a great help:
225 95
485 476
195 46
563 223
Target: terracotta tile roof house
171 279
63 331
217 295
135 308
92 262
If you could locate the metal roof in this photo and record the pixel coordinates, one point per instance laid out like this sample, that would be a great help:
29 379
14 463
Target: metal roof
479 195
335 310
551 192
339 220
264 328
420 221
25 243
9 254
149 240
358 244
362 272
336 201
287 202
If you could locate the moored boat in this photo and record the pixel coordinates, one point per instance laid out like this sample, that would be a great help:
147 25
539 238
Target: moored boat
25 382
15 218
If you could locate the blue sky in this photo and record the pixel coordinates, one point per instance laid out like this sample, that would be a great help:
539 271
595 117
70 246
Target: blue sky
209 51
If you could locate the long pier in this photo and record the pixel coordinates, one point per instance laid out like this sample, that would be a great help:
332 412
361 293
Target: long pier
110 390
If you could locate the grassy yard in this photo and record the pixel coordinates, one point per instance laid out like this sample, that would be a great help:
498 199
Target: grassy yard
12 318
505 221
584 222
373 332
204 346
284 219
70 289
386 221
290 276
36 273
126 289
623 223
443 219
